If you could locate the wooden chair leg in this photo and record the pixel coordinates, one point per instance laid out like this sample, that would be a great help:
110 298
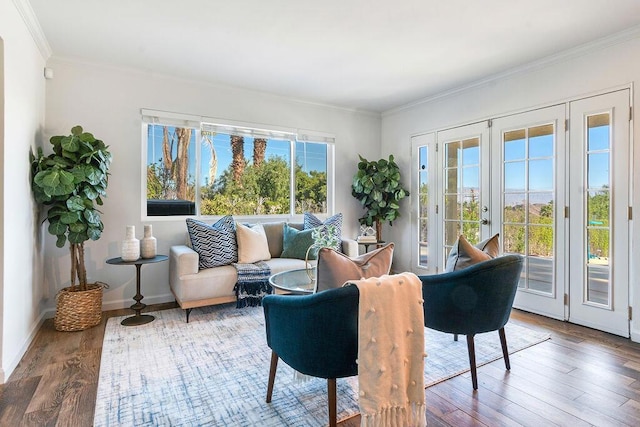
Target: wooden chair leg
333 412
272 375
472 361
505 352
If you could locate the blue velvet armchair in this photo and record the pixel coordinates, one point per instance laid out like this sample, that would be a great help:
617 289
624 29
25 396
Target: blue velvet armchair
315 334
473 300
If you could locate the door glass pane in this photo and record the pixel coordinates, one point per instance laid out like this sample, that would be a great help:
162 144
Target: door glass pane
451 182
514 204
598 170
513 242
541 141
470 152
514 147
528 195
514 176
540 175
451 233
598 132
470 207
423 206
540 259
462 191
598 212
452 154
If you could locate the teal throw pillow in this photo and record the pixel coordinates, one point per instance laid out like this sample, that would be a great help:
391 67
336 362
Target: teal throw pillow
295 243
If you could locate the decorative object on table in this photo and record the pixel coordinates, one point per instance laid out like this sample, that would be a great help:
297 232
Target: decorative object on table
377 187
130 246
367 235
138 306
70 182
323 237
148 244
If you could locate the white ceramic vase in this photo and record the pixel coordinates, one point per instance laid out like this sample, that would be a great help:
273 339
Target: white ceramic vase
148 244
130 249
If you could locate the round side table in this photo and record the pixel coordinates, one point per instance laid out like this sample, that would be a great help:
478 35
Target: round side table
137 319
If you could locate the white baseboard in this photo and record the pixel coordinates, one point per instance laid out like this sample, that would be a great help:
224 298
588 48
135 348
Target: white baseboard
13 364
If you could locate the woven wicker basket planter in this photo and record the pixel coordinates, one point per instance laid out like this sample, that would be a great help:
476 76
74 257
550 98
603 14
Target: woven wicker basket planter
78 310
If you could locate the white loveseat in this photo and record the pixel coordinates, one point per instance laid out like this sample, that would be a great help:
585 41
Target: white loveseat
197 288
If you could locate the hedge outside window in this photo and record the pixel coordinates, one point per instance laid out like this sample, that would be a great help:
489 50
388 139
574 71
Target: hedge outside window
239 171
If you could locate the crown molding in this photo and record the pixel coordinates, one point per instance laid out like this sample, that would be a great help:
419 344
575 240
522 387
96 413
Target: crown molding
31 21
584 49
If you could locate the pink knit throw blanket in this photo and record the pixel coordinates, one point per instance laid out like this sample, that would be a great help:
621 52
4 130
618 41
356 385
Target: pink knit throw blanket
391 351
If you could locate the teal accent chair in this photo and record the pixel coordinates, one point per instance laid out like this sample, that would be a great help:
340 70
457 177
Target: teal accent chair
473 300
316 335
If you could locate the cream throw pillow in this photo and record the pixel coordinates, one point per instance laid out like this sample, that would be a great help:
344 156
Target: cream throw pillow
252 243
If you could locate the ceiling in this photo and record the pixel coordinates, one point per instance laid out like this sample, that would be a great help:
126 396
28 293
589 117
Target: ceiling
372 55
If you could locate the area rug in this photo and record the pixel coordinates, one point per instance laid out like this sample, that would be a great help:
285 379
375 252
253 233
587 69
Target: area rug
214 371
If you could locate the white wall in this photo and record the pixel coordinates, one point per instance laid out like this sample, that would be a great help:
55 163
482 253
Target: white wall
106 101
23 116
608 65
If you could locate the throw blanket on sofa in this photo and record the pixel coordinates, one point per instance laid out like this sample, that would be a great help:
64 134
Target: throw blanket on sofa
253 283
391 351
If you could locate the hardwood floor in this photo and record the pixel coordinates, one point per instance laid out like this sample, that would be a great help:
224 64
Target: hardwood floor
580 377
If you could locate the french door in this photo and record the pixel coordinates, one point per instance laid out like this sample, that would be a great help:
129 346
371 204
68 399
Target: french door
599 187
528 183
554 182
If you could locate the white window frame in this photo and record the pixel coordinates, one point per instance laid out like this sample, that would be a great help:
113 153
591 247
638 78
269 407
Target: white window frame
244 128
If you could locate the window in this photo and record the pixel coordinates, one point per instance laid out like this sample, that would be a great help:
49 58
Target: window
238 170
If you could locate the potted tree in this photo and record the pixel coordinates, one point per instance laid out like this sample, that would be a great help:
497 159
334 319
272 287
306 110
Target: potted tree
70 183
377 186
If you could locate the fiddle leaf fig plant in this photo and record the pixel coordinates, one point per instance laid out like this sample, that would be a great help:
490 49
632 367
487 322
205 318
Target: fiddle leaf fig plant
70 183
378 188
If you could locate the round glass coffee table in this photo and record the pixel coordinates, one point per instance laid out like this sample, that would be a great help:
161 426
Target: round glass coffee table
294 281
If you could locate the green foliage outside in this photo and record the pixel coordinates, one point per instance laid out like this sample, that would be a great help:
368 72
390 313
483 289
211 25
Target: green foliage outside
262 190
539 231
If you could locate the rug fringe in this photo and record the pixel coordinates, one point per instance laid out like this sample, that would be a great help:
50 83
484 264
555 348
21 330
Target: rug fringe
397 416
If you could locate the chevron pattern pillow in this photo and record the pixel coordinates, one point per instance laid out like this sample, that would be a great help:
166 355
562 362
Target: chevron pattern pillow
215 243
312 221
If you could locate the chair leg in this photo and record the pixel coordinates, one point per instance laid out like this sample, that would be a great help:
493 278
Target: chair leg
272 375
472 361
333 412
455 337
505 352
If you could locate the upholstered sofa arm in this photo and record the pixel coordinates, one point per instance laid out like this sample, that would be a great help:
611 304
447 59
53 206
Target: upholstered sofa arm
349 247
183 260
